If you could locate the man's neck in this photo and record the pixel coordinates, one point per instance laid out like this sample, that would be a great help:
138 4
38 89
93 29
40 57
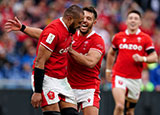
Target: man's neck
65 22
85 34
132 31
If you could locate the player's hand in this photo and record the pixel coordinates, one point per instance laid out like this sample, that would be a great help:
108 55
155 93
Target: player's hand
71 51
13 25
137 58
109 76
36 100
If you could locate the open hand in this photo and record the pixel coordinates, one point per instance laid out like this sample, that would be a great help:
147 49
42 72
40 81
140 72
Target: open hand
13 25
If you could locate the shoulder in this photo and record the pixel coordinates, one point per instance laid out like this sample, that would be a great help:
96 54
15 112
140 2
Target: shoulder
97 37
120 34
144 34
53 27
54 24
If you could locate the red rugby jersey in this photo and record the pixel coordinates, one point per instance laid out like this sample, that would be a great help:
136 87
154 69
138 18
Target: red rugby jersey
56 38
80 76
128 45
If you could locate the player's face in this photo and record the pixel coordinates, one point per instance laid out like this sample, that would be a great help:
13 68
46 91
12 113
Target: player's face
75 24
133 21
87 24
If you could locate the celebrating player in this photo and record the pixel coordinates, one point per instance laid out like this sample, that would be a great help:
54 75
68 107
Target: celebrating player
85 58
134 47
51 89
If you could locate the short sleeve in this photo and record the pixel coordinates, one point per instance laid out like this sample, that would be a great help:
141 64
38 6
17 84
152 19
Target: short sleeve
148 43
99 45
49 38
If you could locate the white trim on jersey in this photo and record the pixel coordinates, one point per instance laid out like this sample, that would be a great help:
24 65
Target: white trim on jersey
138 31
63 23
151 47
90 34
97 50
46 47
78 33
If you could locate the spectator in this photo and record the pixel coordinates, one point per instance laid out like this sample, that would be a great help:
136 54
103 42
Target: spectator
146 84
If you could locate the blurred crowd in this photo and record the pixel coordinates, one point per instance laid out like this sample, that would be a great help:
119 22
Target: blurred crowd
17 50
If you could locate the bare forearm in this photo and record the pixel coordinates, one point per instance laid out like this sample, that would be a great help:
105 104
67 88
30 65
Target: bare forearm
152 58
110 61
83 59
33 32
110 58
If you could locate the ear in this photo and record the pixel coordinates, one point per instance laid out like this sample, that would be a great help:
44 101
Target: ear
70 19
140 23
95 21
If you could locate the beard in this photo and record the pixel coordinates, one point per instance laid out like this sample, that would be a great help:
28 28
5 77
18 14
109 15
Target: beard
72 28
85 32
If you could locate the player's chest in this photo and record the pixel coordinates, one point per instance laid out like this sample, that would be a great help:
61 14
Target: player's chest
63 44
82 45
130 43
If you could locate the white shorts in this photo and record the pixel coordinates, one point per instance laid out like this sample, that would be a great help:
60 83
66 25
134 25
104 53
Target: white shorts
87 97
131 86
55 90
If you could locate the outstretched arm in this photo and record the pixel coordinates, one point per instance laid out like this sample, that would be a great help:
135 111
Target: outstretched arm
16 25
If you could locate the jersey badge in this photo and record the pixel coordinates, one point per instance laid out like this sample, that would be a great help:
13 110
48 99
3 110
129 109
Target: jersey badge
85 43
89 100
124 39
51 95
120 82
50 38
139 39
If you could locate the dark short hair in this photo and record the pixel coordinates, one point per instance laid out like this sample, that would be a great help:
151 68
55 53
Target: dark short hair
92 10
136 12
73 11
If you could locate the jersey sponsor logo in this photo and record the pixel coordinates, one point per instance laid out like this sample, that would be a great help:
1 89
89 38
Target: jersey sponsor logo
61 51
51 95
130 47
50 38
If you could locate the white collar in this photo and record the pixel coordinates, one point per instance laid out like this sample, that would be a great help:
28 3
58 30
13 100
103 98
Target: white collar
63 23
88 34
138 31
